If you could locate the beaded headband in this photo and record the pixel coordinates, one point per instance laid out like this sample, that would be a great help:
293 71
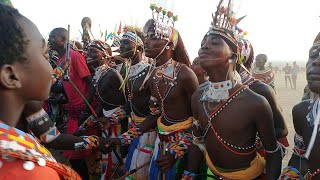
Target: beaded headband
224 24
164 21
133 38
100 45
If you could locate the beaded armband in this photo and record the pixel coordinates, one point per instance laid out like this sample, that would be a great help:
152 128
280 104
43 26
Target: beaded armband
89 122
196 124
188 175
299 147
57 74
178 150
88 143
130 135
50 135
279 147
41 126
120 113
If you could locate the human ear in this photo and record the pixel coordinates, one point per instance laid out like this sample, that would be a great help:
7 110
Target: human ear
9 77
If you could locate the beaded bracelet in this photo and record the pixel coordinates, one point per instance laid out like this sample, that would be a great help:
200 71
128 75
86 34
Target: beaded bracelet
88 143
130 135
188 175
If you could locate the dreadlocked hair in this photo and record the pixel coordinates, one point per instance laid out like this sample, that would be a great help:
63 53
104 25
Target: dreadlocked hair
13 43
249 61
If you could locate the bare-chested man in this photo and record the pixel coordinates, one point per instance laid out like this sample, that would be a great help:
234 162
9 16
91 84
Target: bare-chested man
306 121
264 90
172 85
228 115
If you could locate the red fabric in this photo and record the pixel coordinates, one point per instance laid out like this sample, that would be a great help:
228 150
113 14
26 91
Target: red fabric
14 171
78 70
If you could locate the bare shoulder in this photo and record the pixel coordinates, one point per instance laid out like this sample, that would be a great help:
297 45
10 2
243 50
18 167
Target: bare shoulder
253 99
300 110
262 89
186 73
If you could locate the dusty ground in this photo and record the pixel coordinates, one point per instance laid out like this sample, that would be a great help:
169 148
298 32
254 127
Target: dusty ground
288 98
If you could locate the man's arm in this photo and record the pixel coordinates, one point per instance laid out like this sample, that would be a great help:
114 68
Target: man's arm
264 124
297 159
195 155
280 125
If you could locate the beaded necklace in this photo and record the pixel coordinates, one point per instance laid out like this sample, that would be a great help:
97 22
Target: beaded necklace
163 74
247 78
215 113
136 71
105 72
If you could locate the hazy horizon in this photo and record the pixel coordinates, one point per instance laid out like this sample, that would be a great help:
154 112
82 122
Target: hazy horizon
284 30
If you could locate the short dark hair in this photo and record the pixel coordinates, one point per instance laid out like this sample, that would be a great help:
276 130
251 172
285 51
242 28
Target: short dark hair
61 32
13 42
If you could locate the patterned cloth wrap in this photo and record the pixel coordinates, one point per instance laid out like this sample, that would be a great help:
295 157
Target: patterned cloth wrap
18 144
140 150
177 136
290 173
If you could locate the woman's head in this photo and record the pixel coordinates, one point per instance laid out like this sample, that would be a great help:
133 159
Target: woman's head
24 69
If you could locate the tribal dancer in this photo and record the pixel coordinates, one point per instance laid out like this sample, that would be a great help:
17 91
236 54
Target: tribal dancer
264 90
306 121
262 73
172 84
225 127
138 96
21 60
107 82
77 82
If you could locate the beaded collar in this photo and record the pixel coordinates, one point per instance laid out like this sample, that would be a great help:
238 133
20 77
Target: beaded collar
137 68
246 78
99 71
167 70
204 85
217 91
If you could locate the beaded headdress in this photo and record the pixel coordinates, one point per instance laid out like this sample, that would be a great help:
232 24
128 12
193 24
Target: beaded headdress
164 21
224 24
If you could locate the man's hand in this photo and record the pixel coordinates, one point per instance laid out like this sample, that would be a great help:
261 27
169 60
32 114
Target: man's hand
166 162
108 144
104 122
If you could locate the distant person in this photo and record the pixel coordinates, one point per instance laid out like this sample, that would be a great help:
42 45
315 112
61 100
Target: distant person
294 73
276 69
270 66
287 75
262 73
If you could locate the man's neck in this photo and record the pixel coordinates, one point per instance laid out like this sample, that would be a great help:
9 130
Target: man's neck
202 80
10 109
61 51
163 58
220 74
137 59
262 68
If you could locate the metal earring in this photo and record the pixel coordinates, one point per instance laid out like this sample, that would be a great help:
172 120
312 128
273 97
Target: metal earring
167 47
230 61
